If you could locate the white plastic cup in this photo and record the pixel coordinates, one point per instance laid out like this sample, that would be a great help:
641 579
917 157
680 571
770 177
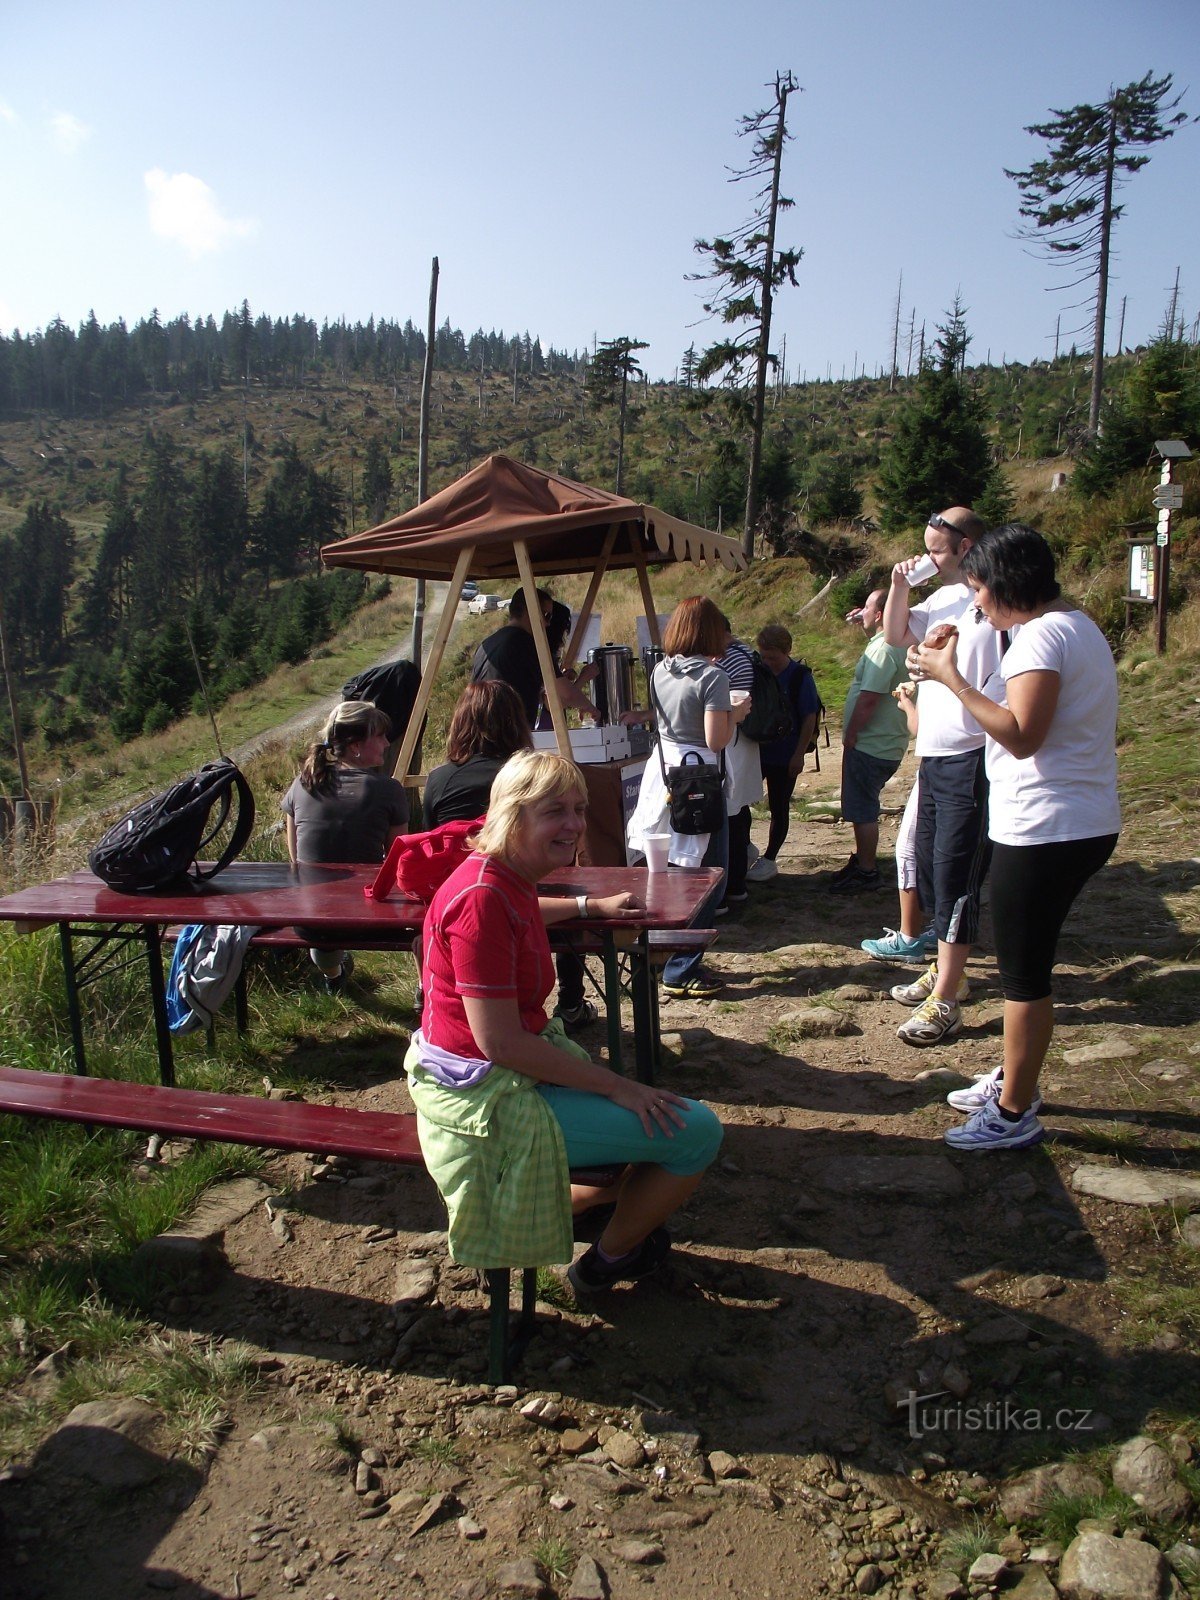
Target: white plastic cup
656 846
924 570
738 697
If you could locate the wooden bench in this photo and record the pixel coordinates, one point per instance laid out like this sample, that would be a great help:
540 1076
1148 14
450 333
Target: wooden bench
271 1125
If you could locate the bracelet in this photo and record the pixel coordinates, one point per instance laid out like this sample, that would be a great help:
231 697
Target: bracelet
963 690
581 907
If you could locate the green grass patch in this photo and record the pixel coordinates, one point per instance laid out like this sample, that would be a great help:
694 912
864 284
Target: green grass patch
962 1546
1062 1513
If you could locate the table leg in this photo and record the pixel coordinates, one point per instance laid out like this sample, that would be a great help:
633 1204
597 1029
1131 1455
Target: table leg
73 1012
612 1000
645 1011
158 1000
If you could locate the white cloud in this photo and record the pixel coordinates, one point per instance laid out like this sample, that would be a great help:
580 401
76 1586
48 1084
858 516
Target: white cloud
7 114
184 209
68 132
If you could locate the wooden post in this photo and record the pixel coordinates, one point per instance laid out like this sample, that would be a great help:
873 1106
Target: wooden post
537 624
639 556
436 651
589 599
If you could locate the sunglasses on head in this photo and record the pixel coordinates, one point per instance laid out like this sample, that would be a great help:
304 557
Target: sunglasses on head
936 521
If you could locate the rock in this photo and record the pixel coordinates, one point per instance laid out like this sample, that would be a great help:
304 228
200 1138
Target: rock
1144 1471
1190 1231
560 1502
406 1501
1020 1186
638 1552
945 1585
364 1478
722 1465
1184 1559
1022 1499
1130 1187
576 1441
588 1581
997 1330
987 1569
1047 1554
1113 1048
523 1578
433 1510
624 1449
672 1430
1042 1286
1098 1567
193 1263
816 1022
414 1281
956 1381
541 1409
868 1578
1033 1584
1166 1069
48 1374
927 1178
110 1442
468 1528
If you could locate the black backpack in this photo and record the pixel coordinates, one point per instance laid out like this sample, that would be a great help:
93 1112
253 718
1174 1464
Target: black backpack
156 845
770 716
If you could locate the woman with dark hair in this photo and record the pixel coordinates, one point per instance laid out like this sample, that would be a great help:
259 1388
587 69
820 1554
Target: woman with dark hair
489 726
342 808
506 1104
689 696
1050 716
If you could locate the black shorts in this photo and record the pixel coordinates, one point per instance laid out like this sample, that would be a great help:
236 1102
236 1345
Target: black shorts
951 843
1033 888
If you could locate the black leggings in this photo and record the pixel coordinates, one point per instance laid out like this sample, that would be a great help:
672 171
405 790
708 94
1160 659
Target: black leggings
1033 887
781 785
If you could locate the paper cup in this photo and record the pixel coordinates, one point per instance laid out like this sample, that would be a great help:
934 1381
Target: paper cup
924 570
738 697
656 846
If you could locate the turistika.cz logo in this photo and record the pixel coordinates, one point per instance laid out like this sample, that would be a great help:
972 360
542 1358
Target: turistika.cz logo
993 1416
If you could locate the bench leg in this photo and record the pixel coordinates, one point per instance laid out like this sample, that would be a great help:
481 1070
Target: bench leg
504 1353
73 1012
158 999
644 988
612 1001
241 1011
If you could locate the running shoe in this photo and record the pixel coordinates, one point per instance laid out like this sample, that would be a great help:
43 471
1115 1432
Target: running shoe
895 946
932 1021
762 870
913 994
592 1273
579 1016
983 1091
700 986
856 881
988 1130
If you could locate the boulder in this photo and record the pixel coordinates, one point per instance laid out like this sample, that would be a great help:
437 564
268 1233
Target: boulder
1098 1567
110 1442
1129 1187
1022 1499
1144 1471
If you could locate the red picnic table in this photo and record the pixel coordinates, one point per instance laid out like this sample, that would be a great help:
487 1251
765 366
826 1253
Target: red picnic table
272 895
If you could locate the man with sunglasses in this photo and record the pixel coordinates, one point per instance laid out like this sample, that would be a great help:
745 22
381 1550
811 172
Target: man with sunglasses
951 836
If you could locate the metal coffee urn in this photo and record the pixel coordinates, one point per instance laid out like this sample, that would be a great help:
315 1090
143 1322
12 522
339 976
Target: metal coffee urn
614 681
652 654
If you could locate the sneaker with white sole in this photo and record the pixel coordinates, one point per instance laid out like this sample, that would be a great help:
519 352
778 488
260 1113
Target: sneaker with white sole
762 870
896 946
983 1091
989 1130
580 1016
932 1021
912 994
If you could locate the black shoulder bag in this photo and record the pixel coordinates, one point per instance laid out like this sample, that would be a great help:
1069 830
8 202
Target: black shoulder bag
695 788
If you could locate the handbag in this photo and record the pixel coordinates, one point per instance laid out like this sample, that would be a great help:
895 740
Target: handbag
695 788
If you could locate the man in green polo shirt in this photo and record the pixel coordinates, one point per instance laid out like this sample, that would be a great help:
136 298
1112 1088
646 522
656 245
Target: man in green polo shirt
874 737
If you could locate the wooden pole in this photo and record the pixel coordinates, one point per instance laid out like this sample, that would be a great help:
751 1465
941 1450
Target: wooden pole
537 625
639 556
436 651
581 621
418 627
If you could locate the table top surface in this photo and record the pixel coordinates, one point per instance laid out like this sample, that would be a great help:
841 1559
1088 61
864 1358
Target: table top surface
272 894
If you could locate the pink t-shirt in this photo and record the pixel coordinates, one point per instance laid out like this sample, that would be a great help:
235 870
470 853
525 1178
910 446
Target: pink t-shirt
484 938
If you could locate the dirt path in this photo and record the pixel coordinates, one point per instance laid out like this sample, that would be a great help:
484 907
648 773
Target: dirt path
837 1255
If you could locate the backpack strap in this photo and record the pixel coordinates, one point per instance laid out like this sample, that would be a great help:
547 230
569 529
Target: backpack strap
242 828
657 703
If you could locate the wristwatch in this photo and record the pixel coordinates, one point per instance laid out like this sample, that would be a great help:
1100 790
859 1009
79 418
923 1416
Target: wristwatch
581 907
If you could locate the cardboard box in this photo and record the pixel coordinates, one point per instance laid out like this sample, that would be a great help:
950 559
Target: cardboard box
589 745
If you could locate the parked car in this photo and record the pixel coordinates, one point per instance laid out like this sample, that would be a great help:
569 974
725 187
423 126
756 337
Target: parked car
484 602
469 590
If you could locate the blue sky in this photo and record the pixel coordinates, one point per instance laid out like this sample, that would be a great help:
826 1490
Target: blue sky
560 159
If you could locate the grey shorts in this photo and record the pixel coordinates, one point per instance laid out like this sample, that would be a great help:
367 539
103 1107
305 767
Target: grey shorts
863 777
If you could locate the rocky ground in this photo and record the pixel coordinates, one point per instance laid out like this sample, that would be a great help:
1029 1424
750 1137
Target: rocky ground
865 1342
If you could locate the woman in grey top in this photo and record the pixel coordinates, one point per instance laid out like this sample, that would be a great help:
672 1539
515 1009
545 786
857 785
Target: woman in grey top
342 808
690 699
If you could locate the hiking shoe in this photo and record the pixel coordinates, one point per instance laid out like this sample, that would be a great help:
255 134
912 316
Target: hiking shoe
590 1273
578 1016
855 881
847 871
988 1130
700 986
983 1091
912 994
894 946
932 1021
337 984
762 870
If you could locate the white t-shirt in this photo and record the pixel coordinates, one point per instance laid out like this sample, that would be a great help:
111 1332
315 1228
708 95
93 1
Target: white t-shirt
1068 789
945 727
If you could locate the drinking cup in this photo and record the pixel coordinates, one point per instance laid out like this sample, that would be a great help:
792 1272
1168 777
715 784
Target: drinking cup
924 570
656 846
